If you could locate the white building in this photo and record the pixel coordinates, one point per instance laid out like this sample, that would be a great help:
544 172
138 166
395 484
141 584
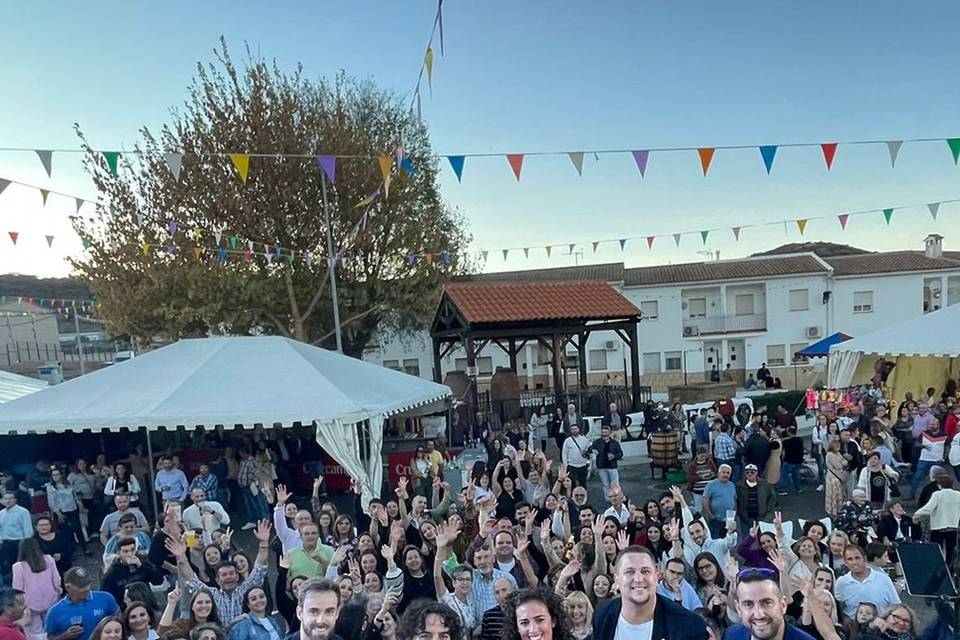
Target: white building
743 313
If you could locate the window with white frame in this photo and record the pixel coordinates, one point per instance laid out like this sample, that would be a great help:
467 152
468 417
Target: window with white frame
484 365
672 361
743 304
776 355
392 364
697 308
650 309
794 348
597 359
863 301
651 362
799 299
411 366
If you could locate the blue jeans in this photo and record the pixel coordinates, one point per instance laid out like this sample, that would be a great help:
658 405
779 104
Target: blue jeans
608 477
922 475
256 506
790 472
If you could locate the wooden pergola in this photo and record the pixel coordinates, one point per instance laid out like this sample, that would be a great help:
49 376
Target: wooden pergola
550 314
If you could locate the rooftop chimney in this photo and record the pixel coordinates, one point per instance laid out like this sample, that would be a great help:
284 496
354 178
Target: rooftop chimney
933 246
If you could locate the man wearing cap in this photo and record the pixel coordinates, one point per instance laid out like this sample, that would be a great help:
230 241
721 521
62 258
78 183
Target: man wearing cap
756 499
77 613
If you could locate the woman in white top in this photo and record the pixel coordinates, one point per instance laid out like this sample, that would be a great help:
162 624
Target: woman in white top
121 480
954 456
538 428
943 509
818 447
807 556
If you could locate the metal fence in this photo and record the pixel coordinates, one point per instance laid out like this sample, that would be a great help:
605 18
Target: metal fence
13 353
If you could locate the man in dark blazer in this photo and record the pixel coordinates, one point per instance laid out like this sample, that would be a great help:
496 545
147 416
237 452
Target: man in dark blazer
644 613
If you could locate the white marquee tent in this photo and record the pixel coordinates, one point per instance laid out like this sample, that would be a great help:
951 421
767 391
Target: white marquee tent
231 381
14 385
925 350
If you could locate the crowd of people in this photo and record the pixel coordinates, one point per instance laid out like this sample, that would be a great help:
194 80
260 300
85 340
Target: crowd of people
246 549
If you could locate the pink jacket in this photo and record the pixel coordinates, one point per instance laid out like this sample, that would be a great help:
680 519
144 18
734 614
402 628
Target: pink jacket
42 589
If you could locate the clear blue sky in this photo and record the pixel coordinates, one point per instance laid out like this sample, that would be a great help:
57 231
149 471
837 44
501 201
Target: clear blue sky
528 76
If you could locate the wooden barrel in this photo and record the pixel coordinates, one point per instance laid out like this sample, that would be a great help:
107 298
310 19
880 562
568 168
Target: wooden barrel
663 449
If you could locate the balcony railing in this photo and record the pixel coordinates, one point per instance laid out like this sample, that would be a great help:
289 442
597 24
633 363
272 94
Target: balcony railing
693 327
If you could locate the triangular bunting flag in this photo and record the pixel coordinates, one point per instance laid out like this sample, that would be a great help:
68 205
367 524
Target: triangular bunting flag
44 193
843 220
171 249
407 166
174 162
768 153
829 150
4 184
445 256
623 243
46 159
483 255
736 233
549 249
329 166
650 240
145 248
934 208
429 258
887 214
13 236
233 242
87 242
576 157
242 163
222 254
456 162
526 252
111 157
247 255
172 227
706 157
386 164
505 252
197 252
893 146
676 239
77 201
412 258
516 163
802 225
572 246
250 245
704 234
217 235
428 65
641 157
954 144
595 245
49 241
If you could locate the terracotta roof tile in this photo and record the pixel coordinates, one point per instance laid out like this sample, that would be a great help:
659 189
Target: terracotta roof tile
482 302
889 262
722 270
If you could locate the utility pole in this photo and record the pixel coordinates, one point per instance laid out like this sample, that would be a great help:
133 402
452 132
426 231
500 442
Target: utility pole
331 265
76 328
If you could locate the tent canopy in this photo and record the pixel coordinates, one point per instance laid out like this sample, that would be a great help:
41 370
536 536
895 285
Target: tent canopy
228 381
932 337
14 385
821 348
238 380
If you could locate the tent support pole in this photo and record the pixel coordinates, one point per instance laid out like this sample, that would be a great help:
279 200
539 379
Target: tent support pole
153 480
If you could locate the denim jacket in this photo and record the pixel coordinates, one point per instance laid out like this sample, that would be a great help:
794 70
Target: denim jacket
250 629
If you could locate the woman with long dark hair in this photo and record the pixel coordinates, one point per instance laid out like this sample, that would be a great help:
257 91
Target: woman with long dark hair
121 481
54 543
35 573
536 614
202 610
84 483
65 506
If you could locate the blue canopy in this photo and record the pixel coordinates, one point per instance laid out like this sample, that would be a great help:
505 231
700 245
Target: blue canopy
821 348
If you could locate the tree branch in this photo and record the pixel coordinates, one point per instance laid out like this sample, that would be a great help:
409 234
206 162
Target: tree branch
353 318
276 321
324 281
294 307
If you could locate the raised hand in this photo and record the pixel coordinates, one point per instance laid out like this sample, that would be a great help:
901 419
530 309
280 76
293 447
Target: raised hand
282 494
446 535
176 548
778 520
545 530
173 597
402 483
777 560
622 541
571 569
262 532
754 530
732 567
436 482
354 570
396 531
387 552
521 548
487 527
597 528
338 555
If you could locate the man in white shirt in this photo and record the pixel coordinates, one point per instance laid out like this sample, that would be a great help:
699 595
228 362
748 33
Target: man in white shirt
617 507
576 456
863 584
202 514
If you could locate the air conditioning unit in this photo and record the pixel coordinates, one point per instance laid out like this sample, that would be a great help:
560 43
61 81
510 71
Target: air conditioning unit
610 345
691 331
814 332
